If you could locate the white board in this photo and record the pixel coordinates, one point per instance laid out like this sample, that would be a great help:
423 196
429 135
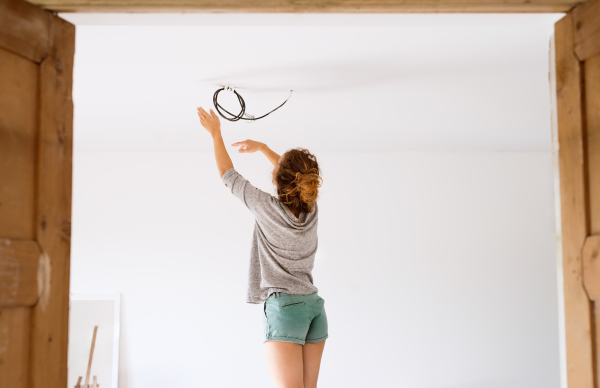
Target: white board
85 312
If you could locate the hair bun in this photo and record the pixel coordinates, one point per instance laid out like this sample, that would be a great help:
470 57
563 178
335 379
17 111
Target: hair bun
298 180
308 184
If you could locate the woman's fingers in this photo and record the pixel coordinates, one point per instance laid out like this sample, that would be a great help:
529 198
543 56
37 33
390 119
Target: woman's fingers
247 146
208 116
202 111
241 144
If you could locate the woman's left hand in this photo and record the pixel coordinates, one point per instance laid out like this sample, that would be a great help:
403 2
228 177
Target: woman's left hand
248 146
210 121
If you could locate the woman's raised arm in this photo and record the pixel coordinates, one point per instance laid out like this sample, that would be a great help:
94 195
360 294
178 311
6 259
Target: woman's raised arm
253 146
211 122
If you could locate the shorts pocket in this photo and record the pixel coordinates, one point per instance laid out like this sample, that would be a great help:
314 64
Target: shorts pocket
289 304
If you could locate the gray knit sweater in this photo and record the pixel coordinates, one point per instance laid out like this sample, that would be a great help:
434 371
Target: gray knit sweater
283 250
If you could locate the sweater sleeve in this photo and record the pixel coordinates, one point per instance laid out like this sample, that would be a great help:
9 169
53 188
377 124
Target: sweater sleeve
254 198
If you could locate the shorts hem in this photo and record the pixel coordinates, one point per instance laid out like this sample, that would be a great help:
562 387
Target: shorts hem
285 339
312 341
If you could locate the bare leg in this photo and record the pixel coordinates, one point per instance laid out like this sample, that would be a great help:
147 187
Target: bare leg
284 360
311 355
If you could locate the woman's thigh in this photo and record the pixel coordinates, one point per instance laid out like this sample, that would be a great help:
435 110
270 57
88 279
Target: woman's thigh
284 360
311 356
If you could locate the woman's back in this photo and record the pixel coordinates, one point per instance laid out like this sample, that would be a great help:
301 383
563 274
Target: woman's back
283 246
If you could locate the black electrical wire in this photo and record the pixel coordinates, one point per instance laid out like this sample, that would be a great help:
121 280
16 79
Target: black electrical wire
240 116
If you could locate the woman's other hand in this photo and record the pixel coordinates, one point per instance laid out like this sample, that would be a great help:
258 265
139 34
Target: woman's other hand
210 121
248 146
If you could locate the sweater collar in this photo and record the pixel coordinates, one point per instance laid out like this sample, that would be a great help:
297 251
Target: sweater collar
304 217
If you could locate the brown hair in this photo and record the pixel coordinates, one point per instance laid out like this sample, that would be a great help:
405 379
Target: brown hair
298 181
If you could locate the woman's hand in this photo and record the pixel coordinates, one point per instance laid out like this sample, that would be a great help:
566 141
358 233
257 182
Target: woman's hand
210 121
248 146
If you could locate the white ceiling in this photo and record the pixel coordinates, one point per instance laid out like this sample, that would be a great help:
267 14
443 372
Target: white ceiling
368 83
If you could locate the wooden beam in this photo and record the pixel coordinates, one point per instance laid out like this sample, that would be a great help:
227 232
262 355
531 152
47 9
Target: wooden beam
49 335
587 29
29 30
309 6
591 267
589 47
19 264
578 313
18 129
14 347
597 333
592 132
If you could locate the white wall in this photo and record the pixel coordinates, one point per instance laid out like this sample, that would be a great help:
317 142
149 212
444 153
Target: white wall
416 82
438 269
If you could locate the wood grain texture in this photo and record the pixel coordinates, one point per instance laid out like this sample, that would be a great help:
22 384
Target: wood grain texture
19 262
14 347
578 312
89 368
18 128
597 335
592 114
591 267
55 149
25 29
309 6
587 29
592 126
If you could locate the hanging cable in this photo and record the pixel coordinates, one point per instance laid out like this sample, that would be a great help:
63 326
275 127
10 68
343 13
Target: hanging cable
240 116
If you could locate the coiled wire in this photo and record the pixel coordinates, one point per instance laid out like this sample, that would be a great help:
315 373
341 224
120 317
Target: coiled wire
240 116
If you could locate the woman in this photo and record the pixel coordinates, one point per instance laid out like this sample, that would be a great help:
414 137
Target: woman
282 257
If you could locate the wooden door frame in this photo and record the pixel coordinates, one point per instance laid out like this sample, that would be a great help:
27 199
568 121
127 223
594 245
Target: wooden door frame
39 298
310 6
576 39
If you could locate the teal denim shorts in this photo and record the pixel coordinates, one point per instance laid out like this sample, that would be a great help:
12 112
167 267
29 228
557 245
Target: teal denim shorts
295 318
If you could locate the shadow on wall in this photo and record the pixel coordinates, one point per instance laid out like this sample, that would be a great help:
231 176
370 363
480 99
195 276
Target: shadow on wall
338 75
